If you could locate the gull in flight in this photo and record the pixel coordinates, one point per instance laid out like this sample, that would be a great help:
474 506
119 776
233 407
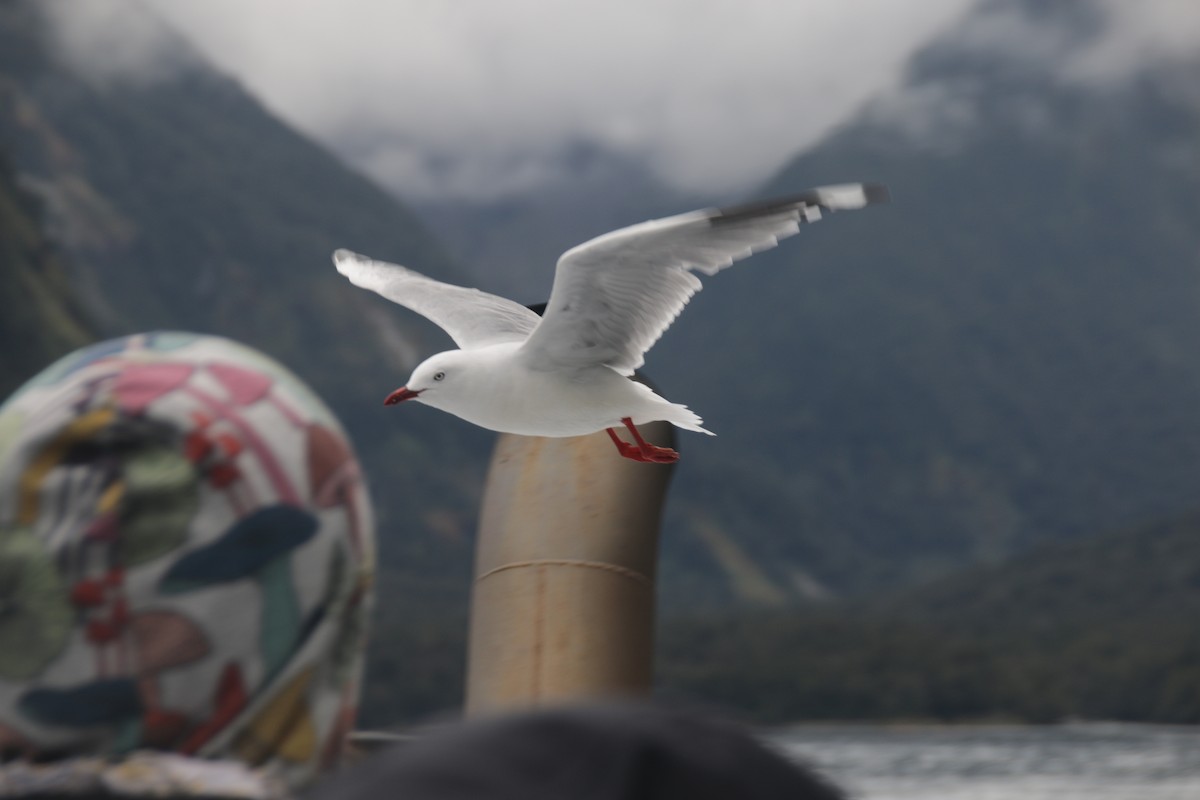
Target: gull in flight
569 372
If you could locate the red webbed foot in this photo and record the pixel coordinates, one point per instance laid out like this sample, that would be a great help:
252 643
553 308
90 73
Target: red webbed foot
643 451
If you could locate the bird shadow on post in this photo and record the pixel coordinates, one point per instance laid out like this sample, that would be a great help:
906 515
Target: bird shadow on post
562 607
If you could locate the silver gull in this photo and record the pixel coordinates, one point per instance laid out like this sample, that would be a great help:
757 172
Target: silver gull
568 373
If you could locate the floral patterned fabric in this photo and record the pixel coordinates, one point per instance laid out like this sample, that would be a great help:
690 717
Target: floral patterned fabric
186 559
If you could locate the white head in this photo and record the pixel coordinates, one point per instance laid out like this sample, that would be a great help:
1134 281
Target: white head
436 381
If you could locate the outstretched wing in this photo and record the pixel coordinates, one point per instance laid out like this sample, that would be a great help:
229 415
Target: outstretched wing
472 318
614 296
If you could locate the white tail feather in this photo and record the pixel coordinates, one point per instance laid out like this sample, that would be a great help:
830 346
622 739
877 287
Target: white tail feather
688 420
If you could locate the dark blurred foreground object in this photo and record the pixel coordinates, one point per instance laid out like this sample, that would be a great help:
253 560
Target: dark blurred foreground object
186 561
606 752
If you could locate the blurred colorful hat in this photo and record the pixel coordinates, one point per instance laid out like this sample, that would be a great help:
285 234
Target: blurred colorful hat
186 559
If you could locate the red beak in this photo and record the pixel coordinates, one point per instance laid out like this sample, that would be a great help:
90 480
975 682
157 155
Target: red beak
399 396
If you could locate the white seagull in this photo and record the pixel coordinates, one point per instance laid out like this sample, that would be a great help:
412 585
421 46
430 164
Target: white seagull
568 373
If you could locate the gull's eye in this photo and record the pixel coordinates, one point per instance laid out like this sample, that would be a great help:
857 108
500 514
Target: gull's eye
438 376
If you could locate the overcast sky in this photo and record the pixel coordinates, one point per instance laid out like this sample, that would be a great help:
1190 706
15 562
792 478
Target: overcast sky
478 97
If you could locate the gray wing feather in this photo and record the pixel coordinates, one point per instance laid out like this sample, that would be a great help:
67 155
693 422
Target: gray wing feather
615 295
472 318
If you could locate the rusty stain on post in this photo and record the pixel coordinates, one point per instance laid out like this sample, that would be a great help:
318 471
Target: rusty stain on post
563 602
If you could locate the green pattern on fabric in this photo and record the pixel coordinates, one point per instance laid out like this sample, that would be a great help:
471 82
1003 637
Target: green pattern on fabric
166 341
11 424
161 498
280 616
35 617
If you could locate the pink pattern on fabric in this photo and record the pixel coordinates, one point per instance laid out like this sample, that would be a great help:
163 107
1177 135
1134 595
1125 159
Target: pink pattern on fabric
256 445
139 385
244 386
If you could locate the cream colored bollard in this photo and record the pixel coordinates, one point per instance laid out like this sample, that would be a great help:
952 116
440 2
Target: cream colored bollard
563 603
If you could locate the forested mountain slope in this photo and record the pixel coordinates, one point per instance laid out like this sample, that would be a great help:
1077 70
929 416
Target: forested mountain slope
1102 628
40 318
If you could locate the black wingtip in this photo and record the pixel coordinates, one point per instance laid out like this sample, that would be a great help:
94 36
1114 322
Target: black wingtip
762 208
872 193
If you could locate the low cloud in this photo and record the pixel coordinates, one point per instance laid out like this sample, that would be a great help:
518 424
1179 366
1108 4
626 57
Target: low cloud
1102 45
114 40
478 98
1099 41
1137 34
470 97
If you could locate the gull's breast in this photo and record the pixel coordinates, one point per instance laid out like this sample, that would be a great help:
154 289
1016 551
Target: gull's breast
546 403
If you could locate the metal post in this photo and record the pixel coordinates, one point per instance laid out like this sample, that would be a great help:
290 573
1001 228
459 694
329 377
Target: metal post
563 603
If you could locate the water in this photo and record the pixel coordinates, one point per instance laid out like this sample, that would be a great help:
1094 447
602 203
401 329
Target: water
1096 761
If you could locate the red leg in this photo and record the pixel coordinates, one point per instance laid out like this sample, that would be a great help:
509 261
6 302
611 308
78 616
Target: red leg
624 448
643 451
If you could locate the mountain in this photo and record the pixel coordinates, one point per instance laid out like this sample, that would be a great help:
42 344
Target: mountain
1096 629
38 310
180 202
997 359
1002 357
